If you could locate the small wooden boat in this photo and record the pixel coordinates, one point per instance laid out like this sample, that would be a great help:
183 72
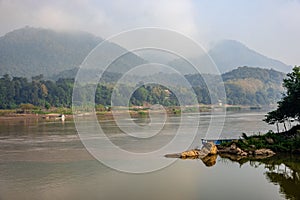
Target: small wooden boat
217 141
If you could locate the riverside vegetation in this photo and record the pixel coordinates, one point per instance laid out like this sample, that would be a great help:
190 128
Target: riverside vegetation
243 86
288 110
261 146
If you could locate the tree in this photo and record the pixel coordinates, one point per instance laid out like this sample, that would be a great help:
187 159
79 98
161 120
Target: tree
289 106
26 107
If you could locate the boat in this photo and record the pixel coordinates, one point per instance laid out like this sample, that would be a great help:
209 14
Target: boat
218 141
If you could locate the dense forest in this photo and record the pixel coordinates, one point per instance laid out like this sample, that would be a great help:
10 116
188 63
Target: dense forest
243 86
45 93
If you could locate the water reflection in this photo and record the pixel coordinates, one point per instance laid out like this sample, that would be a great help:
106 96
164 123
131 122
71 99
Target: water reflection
46 160
281 170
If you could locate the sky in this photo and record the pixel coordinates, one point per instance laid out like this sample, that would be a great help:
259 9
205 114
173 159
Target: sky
270 27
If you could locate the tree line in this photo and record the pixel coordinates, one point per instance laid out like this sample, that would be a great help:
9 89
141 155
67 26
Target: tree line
46 93
18 90
15 91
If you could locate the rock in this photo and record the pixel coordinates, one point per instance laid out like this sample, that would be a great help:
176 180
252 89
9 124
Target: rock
263 152
270 140
244 153
209 160
239 151
210 148
207 149
233 150
233 146
190 154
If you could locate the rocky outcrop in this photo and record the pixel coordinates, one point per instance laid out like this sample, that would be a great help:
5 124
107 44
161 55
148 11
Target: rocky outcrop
208 153
206 150
261 152
194 153
234 150
209 148
210 160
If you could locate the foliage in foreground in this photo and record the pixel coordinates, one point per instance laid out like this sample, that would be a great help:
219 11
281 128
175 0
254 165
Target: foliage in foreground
288 141
289 106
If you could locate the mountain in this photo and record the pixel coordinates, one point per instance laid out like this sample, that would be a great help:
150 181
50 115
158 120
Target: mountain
253 86
228 55
31 51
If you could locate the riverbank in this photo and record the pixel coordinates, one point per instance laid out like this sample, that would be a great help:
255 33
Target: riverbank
284 142
31 110
256 147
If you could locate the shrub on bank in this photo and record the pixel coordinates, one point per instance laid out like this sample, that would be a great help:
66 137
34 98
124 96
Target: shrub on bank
285 142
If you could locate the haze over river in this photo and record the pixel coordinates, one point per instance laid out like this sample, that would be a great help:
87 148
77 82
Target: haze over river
42 159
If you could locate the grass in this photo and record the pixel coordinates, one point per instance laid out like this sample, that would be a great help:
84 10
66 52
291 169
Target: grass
7 112
37 110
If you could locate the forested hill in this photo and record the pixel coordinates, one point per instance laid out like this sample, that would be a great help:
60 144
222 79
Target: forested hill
244 86
249 86
265 75
31 51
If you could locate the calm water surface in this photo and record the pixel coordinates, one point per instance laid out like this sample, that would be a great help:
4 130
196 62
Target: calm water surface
46 160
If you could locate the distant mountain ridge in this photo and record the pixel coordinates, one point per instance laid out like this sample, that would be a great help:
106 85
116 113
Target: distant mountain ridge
31 51
229 54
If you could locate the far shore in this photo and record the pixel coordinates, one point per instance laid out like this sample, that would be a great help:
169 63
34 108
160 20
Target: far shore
135 111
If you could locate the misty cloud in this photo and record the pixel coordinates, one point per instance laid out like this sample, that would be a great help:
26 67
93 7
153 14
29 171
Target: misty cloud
270 27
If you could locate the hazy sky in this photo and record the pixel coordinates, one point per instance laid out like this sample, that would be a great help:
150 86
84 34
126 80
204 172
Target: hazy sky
271 27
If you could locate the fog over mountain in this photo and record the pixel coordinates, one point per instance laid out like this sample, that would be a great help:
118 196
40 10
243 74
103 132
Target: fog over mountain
230 54
32 51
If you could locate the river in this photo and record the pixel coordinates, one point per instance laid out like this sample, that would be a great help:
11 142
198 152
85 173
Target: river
42 159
